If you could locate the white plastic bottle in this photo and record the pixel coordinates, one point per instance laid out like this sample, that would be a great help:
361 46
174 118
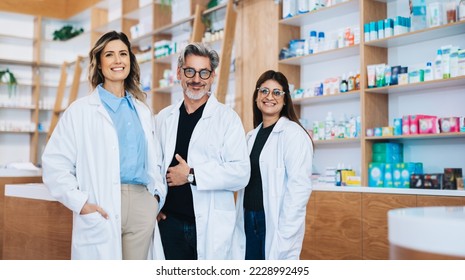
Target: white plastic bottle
329 126
428 72
438 66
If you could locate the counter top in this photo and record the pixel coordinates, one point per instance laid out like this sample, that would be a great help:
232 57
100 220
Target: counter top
389 190
32 191
439 230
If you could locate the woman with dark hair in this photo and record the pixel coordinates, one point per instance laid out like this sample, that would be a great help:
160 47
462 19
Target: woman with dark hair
102 160
271 209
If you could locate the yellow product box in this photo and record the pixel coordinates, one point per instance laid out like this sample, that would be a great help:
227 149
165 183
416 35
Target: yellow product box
344 175
353 181
388 131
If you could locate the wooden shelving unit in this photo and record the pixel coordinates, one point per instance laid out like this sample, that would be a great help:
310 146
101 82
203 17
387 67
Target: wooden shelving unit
376 104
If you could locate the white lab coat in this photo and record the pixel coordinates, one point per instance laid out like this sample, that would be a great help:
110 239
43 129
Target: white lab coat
218 153
81 164
285 167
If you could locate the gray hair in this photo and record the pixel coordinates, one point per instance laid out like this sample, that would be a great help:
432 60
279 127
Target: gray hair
199 49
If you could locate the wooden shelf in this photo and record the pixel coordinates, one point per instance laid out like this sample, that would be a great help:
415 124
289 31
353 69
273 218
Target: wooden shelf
30 107
323 56
419 136
180 26
338 141
419 36
355 94
415 87
333 11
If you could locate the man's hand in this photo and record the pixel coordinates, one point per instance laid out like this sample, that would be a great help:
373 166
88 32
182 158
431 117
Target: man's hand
177 175
161 216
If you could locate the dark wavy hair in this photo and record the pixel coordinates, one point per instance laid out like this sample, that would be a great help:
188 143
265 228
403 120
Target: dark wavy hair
288 108
132 81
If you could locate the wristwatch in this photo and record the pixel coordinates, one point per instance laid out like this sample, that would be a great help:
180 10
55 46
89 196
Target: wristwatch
190 176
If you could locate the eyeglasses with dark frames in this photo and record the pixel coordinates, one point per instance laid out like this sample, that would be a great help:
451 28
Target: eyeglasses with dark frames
190 73
276 92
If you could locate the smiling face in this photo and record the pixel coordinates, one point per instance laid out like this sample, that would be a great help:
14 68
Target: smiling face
270 105
195 88
115 62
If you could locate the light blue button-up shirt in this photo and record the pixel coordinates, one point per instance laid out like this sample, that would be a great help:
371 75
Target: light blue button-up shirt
132 142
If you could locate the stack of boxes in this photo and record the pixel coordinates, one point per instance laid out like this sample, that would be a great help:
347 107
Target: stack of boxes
387 168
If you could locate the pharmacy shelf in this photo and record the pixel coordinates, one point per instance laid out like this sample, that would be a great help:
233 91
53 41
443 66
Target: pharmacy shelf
355 94
337 141
415 87
334 11
323 56
419 136
30 107
423 35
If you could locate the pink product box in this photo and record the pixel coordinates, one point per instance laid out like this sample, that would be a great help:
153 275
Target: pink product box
428 125
414 122
451 124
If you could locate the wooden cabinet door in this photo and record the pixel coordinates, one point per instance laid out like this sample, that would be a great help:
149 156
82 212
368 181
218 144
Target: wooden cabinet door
337 226
429 200
374 222
308 247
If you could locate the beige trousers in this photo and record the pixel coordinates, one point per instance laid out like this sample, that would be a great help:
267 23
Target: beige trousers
138 217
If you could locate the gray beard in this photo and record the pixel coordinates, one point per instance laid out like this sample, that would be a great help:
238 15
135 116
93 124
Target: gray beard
196 96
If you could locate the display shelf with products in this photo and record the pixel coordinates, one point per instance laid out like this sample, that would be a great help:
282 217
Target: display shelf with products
331 59
438 98
377 106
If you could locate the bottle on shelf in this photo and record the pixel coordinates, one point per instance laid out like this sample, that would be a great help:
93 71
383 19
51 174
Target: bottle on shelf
428 72
343 87
351 82
313 42
321 41
438 66
357 80
329 126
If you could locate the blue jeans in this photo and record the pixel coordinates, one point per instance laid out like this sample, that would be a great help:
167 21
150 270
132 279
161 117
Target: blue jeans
255 231
179 239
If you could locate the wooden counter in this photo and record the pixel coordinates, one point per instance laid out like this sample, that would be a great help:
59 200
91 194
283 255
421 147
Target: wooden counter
36 227
17 179
351 222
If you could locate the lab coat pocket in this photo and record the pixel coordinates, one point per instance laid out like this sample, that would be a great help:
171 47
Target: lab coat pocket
224 222
91 229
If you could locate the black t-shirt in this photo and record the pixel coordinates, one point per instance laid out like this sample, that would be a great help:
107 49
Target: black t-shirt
179 201
253 198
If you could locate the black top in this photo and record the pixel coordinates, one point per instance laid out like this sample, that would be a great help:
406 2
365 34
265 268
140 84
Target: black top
253 198
179 201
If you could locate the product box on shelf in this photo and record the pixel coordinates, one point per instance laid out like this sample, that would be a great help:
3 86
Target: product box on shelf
376 174
427 181
451 124
428 125
451 176
388 182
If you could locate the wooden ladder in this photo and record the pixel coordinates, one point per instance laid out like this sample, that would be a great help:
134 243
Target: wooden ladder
226 50
57 109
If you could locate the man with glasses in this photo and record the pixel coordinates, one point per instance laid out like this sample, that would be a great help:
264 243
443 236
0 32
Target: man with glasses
205 160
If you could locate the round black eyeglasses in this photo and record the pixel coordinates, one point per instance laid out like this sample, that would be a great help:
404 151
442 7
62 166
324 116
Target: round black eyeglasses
190 73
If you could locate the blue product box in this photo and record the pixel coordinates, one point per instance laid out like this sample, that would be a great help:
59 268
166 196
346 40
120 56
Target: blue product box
376 174
398 126
388 183
397 175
